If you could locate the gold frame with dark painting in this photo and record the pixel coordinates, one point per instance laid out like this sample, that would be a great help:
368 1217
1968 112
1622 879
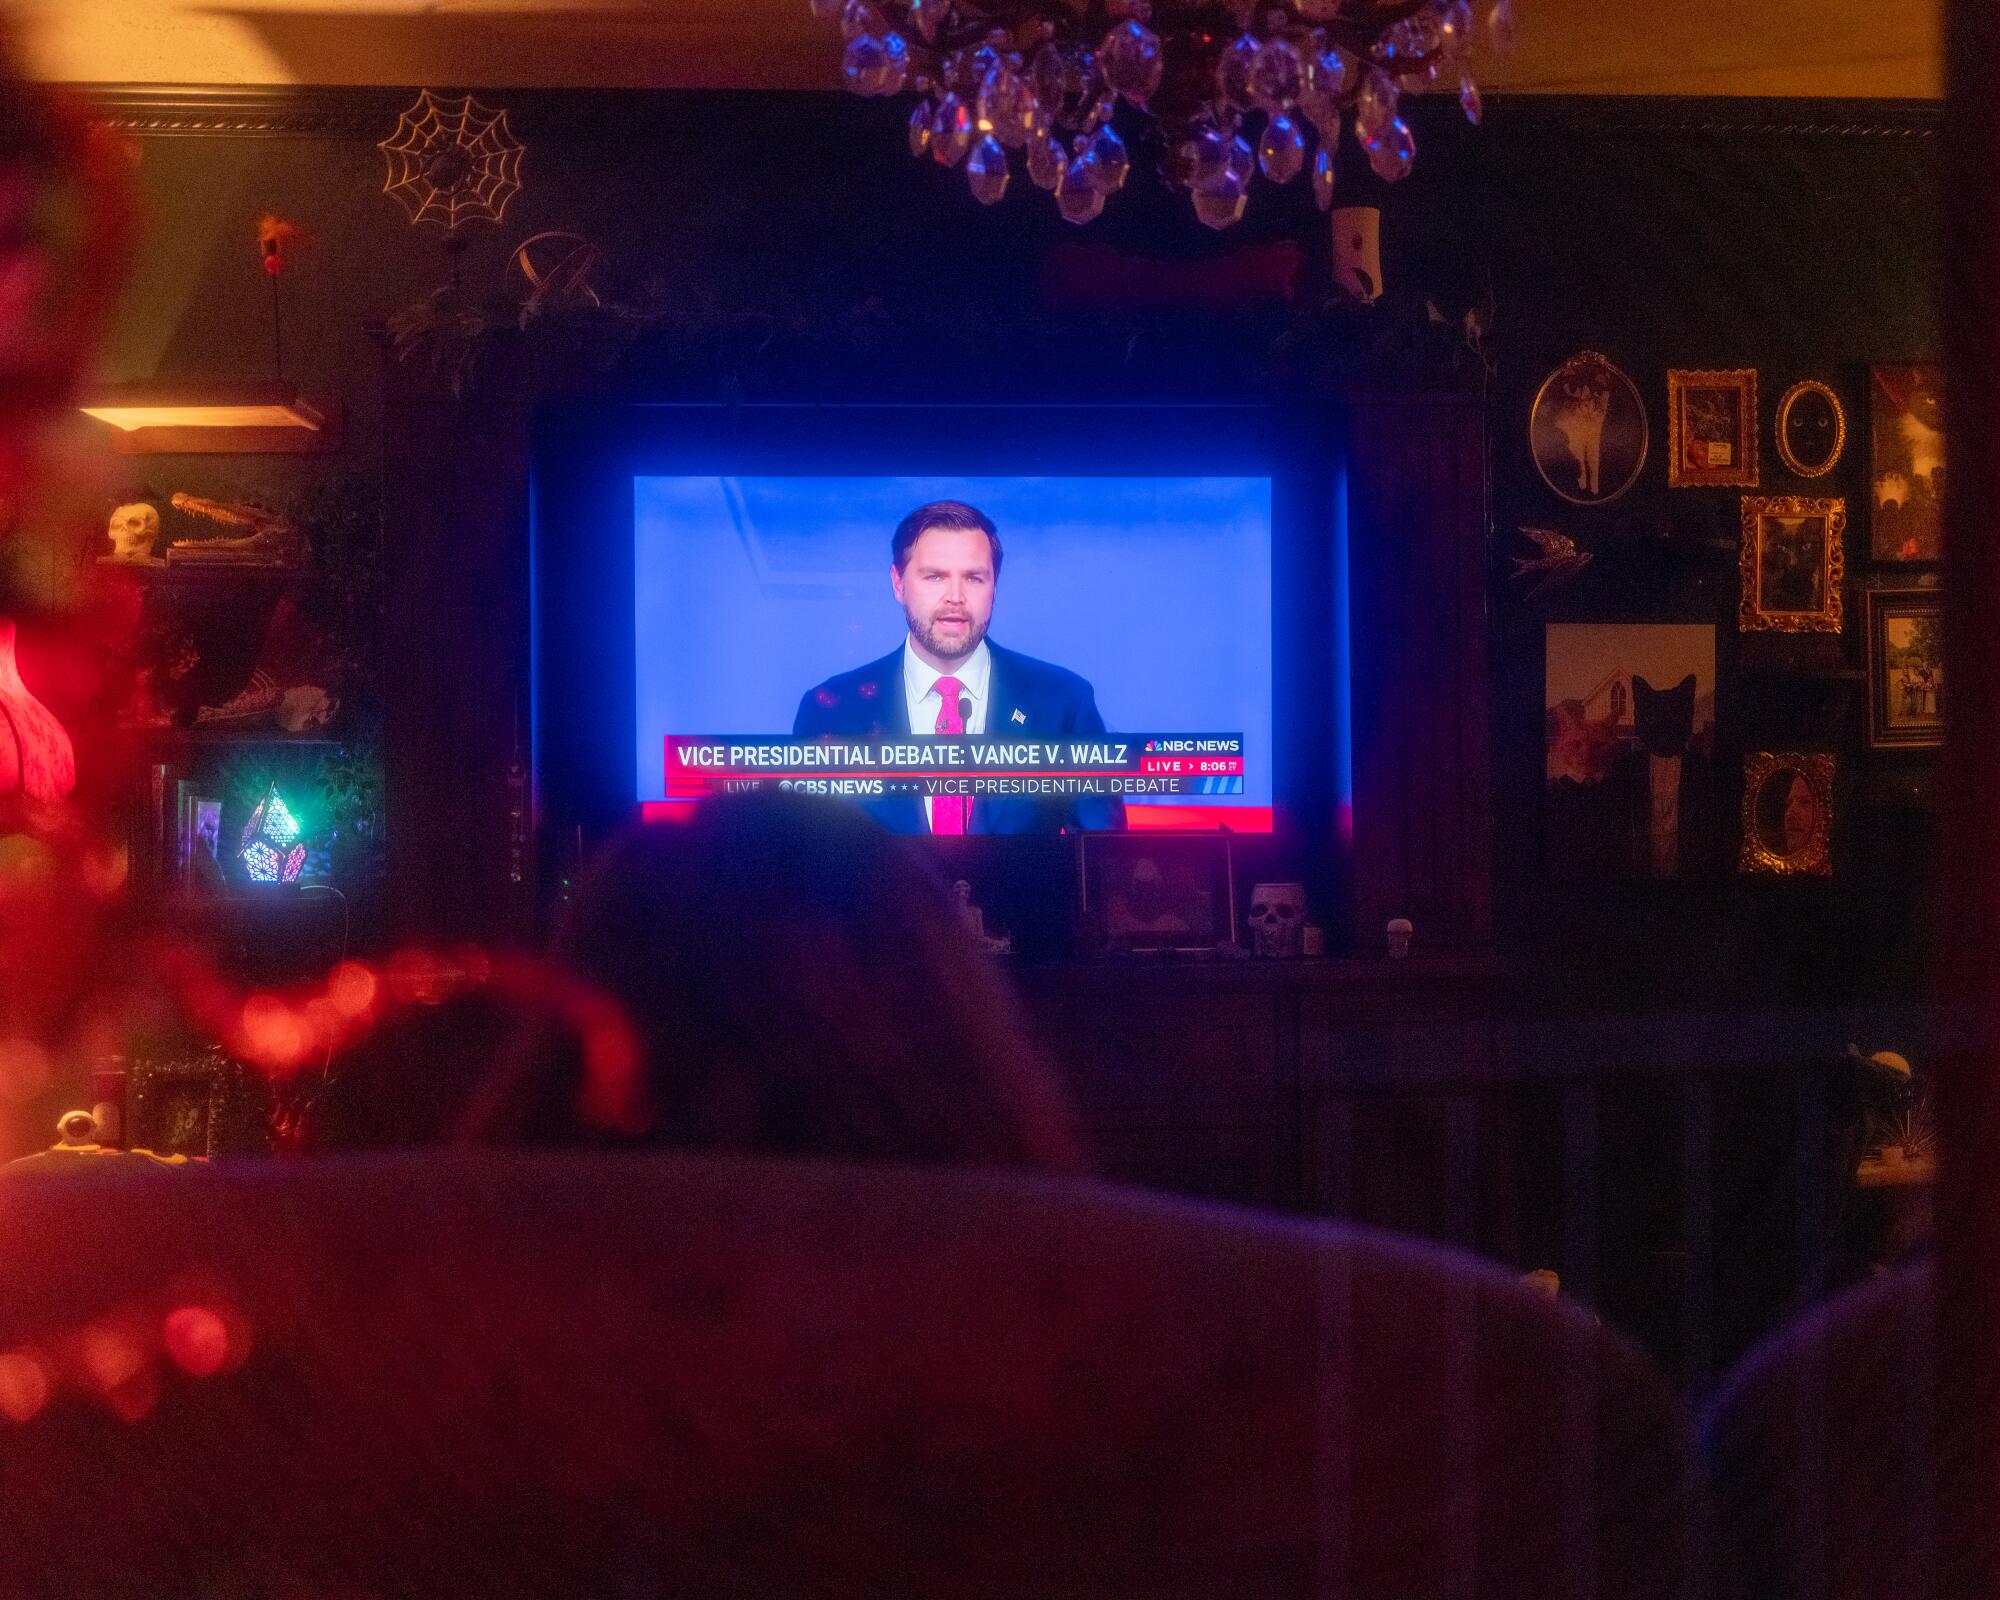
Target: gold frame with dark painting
1586 406
1905 669
1810 429
1906 438
1788 814
1712 429
1792 561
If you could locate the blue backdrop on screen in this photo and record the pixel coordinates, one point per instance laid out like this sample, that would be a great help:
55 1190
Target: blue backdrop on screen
749 591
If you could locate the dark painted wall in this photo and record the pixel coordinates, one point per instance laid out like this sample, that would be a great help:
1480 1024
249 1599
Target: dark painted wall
1804 250
797 245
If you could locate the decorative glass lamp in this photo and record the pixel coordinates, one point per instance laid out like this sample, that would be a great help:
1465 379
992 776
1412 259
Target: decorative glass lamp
272 850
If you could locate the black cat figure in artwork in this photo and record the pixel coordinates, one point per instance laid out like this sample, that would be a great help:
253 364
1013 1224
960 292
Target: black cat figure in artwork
1663 719
1642 806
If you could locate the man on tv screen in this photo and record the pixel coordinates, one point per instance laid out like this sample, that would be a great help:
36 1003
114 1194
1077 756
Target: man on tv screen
947 677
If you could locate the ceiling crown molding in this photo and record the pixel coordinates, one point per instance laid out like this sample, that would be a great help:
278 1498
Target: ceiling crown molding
239 111
1719 116
232 109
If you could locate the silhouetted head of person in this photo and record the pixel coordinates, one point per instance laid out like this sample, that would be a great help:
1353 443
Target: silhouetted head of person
799 983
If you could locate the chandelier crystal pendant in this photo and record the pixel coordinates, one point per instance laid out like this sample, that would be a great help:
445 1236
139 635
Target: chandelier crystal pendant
1227 88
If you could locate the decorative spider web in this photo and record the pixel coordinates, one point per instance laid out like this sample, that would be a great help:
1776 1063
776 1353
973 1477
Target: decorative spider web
452 161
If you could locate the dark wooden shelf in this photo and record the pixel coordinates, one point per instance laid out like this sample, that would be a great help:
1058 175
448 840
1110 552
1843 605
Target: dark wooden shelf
1445 975
173 738
1805 673
206 573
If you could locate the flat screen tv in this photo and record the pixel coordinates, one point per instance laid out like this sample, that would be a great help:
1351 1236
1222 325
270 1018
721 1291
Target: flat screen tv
772 606
1156 643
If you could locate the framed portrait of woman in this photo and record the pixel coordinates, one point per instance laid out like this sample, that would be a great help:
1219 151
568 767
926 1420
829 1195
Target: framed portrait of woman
1788 814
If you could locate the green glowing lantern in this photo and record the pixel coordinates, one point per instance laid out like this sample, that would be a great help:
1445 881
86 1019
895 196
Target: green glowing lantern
272 850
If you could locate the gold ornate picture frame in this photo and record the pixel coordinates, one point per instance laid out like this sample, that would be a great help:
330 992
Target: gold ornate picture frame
1788 814
1810 429
1712 429
1793 560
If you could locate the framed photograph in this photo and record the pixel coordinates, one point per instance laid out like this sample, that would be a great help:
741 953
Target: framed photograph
1158 890
1810 429
1712 429
1792 561
1905 670
1906 463
194 1100
199 853
1587 431
1788 814
1629 750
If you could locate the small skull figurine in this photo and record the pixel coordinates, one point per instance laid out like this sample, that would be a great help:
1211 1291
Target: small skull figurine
1277 915
1399 931
134 530
968 913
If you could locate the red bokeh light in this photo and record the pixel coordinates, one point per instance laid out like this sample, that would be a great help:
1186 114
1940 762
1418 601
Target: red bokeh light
24 1385
280 1033
352 989
134 1399
24 1070
271 1033
111 1355
105 868
197 1339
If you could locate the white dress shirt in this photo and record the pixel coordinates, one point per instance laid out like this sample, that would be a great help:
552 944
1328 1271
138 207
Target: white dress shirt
920 694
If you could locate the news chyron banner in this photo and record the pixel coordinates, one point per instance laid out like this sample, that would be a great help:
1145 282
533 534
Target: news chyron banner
1094 764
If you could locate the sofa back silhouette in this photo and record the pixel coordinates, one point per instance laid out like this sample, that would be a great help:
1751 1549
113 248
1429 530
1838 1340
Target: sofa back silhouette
496 1374
1828 1448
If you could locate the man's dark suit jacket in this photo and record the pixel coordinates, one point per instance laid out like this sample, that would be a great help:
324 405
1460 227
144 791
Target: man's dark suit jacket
869 703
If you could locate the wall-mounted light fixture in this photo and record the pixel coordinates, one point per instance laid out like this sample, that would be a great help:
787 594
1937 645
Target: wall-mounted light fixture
202 419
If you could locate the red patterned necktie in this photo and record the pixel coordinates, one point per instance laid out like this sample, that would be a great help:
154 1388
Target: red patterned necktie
948 810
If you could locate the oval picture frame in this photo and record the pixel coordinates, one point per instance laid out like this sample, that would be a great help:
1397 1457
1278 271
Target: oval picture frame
1796 464
1587 372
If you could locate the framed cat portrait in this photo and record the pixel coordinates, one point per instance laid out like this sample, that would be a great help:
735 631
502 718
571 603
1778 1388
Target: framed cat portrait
1792 561
1712 429
1906 463
1810 429
1587 431
1629 751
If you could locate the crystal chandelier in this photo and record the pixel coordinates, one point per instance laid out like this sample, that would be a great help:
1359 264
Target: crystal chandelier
1232 87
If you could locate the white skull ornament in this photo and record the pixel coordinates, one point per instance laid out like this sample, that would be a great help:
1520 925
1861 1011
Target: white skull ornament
1277 917
134 530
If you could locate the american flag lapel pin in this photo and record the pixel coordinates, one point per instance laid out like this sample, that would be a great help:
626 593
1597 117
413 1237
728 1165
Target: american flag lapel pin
1020 718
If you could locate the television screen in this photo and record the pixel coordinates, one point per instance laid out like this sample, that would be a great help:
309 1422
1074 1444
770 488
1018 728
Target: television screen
1123 677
